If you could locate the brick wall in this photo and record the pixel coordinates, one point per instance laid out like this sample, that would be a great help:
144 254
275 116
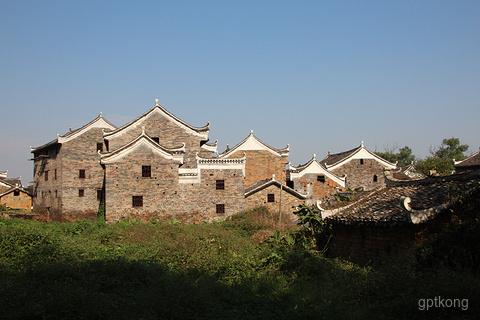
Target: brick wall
362 175
262 164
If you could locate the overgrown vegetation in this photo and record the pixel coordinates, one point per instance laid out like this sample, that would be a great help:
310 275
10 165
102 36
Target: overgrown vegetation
250 266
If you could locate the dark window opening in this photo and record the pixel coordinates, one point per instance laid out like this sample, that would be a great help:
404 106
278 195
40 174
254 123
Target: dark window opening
146 171
220 208
321 178
46 175
156 139
81 173
99 146
99 194
55 174
220 185
290 184
106 144
81 193
271 197
375 178
361 161
137 201
16 193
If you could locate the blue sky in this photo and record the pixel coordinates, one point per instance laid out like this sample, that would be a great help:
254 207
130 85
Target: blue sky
318 75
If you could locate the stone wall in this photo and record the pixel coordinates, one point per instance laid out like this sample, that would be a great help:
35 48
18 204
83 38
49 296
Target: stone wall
260 199
170 135
362 175
163 197
261 165
317 190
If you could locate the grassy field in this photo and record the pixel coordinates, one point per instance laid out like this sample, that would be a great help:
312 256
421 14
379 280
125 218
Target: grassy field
243 268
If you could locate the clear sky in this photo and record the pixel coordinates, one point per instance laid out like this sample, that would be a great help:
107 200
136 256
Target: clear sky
318 75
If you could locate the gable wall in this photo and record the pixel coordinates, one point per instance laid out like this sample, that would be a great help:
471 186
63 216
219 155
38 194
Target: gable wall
262 164
361 175
259 199
23 201
170 135
316 190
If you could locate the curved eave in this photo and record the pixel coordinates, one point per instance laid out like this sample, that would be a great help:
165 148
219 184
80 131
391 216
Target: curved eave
212 147
360 154
278 184
198 131
251 143
98 122
314 167
176 154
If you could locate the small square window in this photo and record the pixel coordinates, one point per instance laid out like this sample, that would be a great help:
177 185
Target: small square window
81 193
16 193
220 208
321 178
137 201
99 146
361 161
81 173
146 171
220 185
271 197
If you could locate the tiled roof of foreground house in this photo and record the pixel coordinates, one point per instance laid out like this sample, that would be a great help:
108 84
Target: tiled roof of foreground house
406 203
472 161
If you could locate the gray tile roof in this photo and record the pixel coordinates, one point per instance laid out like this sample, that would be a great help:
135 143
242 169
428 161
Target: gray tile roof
384 206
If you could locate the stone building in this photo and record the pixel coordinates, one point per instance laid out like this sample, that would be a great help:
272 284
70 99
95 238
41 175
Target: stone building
12 193
361 168
315 180
68 178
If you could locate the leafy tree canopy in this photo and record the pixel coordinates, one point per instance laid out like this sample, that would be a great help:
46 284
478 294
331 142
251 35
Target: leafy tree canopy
403 157
441 159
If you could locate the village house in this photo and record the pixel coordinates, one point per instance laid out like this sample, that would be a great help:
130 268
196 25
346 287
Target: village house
469 164
388 222
159 167
13 195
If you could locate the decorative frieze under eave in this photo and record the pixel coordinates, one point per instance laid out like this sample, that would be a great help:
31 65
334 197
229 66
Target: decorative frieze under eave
201 132
144 141
314 167
251 143
193 175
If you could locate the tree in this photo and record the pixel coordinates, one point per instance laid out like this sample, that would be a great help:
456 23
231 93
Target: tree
441 159
403 157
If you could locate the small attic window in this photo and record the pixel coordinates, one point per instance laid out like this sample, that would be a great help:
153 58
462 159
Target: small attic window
271 197
321 178
146 171
99 146
361 161
220 185
156 139
16 193
375 178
